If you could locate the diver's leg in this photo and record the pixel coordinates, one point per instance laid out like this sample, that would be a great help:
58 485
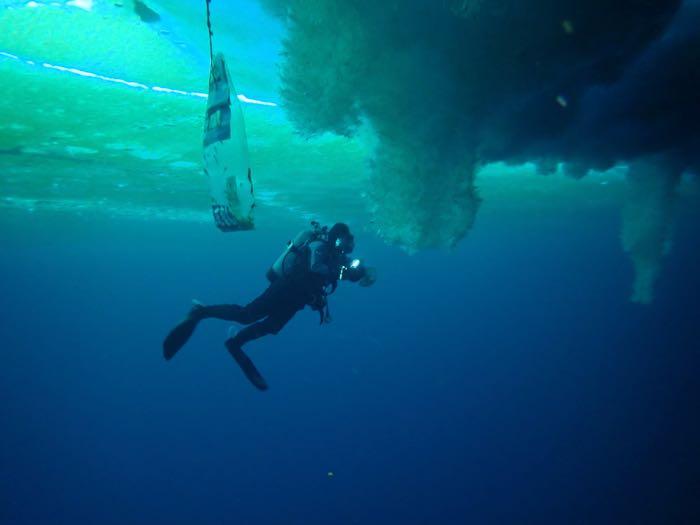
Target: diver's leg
270 325
257 309
234 346
179 335
226 312
276 296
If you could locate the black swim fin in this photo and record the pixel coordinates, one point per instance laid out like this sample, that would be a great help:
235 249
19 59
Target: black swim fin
178 336
247 366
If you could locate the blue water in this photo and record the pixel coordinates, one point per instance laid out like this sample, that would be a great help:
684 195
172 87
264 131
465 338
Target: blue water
507 382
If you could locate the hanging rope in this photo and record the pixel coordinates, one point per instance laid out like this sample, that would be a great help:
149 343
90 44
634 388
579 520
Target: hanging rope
211 35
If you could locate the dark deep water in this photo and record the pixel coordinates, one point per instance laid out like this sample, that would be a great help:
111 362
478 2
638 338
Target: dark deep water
508 382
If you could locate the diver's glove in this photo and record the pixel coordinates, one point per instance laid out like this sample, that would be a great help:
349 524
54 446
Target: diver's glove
356 272
369 277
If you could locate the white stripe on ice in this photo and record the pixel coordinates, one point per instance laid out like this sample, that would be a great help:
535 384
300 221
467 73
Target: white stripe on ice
159 89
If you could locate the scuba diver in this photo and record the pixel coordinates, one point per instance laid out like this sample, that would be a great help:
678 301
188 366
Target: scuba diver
304 274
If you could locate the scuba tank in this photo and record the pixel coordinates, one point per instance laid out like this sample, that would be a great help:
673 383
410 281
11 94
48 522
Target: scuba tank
295 256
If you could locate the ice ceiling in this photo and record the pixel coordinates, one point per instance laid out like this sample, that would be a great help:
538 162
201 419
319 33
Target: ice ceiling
401 108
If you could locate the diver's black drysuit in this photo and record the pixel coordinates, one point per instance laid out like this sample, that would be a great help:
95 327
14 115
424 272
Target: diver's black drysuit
270 311
323 265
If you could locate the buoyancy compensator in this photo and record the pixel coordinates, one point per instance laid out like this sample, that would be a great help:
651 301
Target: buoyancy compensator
295 257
